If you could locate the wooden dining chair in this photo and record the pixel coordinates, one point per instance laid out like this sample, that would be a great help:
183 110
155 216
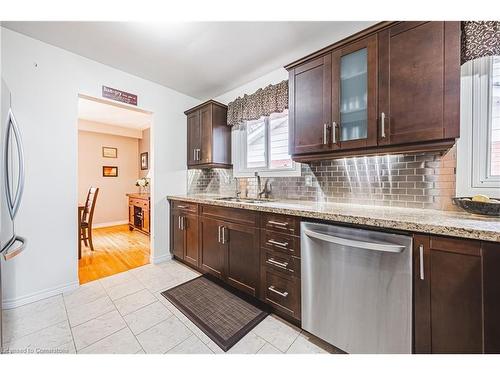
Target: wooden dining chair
87 216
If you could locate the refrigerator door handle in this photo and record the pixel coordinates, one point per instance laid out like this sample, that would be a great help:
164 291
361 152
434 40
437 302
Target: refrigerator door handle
14 202
8 255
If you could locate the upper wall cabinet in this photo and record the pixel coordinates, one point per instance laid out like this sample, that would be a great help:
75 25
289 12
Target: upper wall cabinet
208 136
394 87
419 82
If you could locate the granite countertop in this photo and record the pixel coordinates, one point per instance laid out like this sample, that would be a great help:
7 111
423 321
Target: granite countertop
448 223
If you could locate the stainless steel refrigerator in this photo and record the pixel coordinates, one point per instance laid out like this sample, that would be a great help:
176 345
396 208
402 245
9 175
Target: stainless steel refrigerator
11 186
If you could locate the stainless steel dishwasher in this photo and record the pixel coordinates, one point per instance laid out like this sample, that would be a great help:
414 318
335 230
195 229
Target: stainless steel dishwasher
357 288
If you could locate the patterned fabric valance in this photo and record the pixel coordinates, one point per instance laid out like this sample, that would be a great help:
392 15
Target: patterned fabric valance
480 38
272 99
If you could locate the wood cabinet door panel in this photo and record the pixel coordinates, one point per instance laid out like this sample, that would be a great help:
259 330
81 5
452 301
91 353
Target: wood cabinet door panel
456 303
243 257
205 141
310 106
417 81
421 295
191 253
194 136
178 238
145 220
212 251
491 282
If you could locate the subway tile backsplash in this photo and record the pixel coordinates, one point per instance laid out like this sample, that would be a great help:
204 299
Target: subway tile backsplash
424 180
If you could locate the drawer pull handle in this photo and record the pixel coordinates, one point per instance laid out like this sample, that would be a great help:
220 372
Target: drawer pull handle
182 206
277 243
276 263
278 223
282 294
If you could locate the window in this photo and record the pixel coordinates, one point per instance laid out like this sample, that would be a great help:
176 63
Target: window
262 146
478 152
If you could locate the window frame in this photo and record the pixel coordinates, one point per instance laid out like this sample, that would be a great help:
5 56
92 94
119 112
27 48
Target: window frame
239 155
473 159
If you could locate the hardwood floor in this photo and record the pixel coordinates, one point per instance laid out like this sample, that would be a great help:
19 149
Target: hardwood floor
116 249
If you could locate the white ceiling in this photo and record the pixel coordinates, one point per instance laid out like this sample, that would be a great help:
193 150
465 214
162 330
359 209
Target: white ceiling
200 59
96 111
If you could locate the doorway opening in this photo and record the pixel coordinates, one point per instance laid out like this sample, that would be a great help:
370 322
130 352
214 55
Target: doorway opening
114 184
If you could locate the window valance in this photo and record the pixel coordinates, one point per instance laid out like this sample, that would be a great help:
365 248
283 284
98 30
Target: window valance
479 39
271 99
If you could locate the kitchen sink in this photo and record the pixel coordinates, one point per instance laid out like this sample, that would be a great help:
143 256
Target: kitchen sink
244 200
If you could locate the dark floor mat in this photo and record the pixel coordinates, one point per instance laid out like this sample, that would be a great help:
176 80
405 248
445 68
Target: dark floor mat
218 312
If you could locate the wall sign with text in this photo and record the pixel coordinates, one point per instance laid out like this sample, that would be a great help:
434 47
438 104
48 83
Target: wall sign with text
118 95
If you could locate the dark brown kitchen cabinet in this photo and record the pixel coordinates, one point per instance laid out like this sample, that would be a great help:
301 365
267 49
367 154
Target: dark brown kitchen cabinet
419 82
310 115
454 280
208 136
333 100
178 239
242 257
394 87
213 251
184 233
230 250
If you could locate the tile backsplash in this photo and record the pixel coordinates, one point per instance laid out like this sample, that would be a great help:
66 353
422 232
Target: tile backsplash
424 180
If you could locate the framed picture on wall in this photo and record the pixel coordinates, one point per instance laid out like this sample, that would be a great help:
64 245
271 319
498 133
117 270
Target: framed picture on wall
109 171
109 152
144 161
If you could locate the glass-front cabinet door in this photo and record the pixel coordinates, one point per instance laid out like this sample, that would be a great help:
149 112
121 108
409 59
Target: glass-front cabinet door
354 95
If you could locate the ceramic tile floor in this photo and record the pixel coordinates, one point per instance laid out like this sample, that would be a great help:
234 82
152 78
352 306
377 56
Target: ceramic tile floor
125 313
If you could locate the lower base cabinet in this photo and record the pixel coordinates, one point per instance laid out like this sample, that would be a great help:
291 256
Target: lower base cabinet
454 279
230 252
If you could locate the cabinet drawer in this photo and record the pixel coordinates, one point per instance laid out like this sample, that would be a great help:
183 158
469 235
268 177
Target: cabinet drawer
138 202
280 242
185 206
282 292
281 223
281 262
231 214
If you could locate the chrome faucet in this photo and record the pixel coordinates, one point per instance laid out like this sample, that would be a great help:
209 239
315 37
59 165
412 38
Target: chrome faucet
263 191
237 187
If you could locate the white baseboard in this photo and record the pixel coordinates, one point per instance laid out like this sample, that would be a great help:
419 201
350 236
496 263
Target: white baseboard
161 258
109 224
37 296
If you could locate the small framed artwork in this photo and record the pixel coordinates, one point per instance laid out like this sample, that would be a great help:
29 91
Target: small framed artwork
108 171
144 161
109 152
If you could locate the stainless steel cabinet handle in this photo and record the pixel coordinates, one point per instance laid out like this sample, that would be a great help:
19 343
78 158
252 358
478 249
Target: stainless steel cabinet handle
325 126
198 154
272 222
382 125
334 132
219 229
276 263
8 255
282 294
277 243
179 222
182 207
223 235
194 154
183 222
354 243
421 253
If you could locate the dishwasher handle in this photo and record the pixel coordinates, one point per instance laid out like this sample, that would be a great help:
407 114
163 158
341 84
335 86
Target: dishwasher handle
354 243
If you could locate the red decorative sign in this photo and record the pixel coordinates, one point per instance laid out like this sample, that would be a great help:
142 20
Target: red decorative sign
118 95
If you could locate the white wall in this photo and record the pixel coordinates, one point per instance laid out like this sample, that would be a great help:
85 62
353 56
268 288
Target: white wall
276 76
45 82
